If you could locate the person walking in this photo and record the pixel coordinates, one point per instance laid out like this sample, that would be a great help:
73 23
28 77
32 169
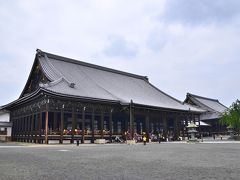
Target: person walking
144 140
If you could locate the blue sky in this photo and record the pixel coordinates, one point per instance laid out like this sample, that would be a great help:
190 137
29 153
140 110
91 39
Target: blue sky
181 45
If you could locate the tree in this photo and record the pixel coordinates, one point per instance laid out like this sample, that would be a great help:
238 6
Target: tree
231 117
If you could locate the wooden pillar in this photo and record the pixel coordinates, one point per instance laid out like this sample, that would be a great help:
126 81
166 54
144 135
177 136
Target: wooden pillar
176 126
199 127
188 121
83 124
24 127
181 122
158 125
110 124
40 127
28 128
131 120
61 125
92 124
147 117
35 127
46 127
19 128
126 126
73 123
165 125
14 128
32 132
36 124
102 123
46 122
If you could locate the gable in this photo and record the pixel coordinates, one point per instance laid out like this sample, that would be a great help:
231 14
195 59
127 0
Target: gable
189 101
212 105
35 78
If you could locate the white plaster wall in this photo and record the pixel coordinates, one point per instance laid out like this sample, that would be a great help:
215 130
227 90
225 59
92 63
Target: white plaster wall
9 131
4 117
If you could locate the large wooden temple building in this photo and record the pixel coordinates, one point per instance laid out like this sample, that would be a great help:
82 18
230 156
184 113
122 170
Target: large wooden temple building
65 100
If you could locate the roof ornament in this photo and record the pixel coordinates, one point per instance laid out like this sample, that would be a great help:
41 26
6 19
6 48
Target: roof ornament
71 85
39 53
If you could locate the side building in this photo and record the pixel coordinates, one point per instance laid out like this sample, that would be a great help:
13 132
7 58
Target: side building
5 125
211 116
69 100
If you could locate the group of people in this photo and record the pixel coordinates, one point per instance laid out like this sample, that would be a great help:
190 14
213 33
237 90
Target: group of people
144 137
150 137
159 138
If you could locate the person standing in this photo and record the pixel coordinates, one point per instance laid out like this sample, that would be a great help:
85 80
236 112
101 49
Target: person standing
144 139
159 138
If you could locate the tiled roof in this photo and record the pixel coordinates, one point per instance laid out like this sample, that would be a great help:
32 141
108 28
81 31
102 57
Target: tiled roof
210 115
207 103
80 79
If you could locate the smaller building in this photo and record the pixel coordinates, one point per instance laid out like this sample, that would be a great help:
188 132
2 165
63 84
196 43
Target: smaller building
210 118
5 125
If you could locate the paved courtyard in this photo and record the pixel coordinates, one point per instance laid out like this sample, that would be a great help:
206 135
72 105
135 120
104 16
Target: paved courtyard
103 162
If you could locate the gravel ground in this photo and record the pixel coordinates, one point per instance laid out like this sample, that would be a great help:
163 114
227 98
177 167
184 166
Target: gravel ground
135 162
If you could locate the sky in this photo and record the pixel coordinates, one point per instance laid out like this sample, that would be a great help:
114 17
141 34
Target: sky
181 45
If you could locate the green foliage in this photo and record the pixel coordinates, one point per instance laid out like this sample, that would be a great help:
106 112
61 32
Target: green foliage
231 116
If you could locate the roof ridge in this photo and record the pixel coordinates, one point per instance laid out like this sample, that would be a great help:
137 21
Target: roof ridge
196 100
215 100
197 96
70 60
